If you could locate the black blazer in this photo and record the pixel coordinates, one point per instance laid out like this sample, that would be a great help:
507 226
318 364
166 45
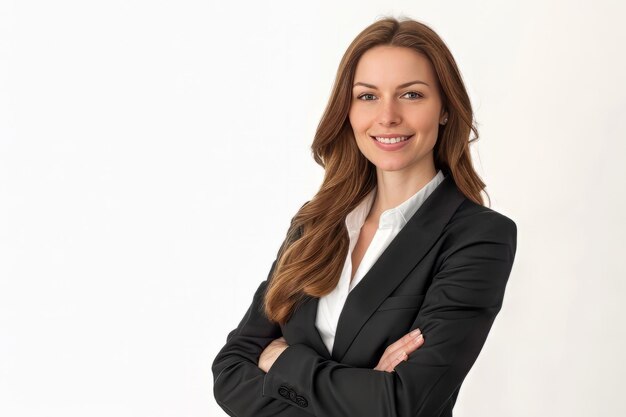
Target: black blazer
445 272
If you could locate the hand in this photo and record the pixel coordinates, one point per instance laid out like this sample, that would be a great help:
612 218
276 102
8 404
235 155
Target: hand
399 351
271 353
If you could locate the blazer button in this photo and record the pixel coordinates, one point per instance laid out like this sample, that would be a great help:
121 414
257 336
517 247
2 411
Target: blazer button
284 391
291 395
301 401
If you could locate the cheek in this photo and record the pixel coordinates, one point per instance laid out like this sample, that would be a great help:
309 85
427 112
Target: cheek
361 142
359 129
427 130
354 120
359 119
359 136
424 120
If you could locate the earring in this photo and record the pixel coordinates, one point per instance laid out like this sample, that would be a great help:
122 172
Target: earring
445 120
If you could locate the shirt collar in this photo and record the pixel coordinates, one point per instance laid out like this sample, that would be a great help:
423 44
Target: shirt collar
395 217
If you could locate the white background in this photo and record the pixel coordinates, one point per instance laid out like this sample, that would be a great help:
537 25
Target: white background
152 154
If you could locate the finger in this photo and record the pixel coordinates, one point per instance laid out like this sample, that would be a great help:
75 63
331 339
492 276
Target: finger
389 363
405 342
399 358
390 359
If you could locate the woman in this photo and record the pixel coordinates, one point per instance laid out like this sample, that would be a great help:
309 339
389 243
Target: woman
389 279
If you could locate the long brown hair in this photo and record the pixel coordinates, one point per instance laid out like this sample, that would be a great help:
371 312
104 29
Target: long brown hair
312 256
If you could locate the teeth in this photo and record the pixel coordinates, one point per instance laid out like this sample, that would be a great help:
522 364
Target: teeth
392 140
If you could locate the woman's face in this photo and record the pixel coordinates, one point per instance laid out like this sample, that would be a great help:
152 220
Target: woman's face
395 93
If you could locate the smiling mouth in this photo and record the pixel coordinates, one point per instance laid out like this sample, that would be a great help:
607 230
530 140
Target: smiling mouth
389 141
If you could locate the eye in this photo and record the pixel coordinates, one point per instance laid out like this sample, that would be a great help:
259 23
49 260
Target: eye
417 95
365 94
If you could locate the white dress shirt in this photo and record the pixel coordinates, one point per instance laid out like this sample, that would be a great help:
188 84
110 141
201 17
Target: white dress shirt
390 223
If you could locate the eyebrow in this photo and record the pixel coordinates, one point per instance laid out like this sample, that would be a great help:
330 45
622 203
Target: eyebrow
400 86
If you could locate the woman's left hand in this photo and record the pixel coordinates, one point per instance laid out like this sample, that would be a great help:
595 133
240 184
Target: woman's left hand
271 353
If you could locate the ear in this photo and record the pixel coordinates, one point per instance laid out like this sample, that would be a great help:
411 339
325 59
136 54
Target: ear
443 119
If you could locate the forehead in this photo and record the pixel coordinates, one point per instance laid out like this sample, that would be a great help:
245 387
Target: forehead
393 65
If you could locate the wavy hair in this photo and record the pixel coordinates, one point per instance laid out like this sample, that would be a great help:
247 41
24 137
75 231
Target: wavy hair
313 253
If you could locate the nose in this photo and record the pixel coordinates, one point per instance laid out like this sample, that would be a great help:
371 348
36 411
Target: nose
389 114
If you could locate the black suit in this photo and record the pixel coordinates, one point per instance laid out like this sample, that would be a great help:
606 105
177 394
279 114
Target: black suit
445 272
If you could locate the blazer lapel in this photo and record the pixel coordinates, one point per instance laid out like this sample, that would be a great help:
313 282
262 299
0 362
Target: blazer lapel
394 264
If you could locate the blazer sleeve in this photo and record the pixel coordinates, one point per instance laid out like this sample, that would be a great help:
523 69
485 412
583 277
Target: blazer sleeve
460 305
237 379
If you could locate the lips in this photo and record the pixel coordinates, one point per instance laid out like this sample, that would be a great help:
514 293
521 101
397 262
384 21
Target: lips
392 147
391 136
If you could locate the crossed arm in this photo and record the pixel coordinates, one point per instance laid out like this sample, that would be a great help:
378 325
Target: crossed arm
237 379
458 311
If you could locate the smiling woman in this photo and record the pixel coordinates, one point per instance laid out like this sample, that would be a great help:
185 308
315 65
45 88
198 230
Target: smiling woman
394 115
389 279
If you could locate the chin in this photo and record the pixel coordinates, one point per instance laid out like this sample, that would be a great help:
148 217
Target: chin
390 166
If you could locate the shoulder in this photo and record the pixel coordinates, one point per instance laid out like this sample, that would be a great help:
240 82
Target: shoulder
471 214
473 223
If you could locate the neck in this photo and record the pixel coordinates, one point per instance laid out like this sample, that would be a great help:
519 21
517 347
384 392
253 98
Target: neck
395 187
